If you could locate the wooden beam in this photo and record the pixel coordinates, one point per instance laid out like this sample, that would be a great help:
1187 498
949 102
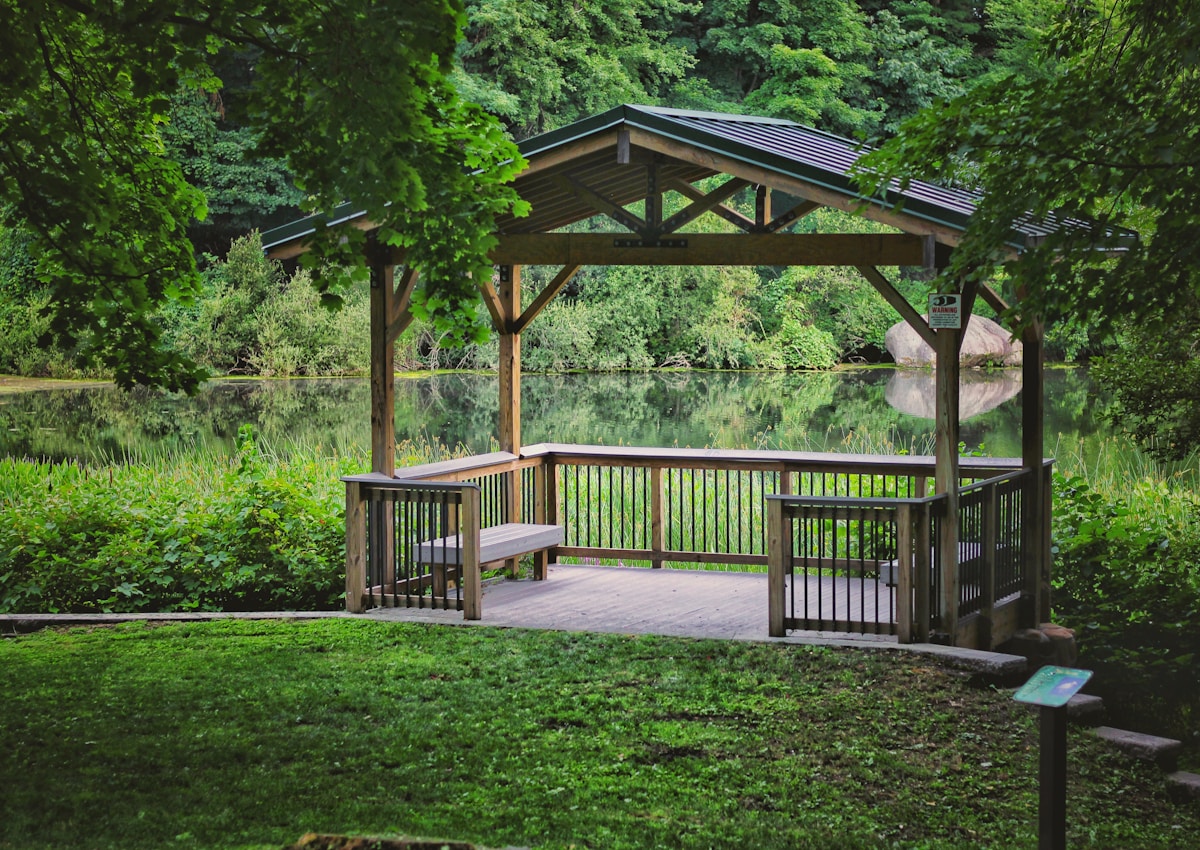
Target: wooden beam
491 300
792 185
709 249
992 298
383 373
539 162
653 201
547 295
701 203
732 216
509 291
1037 497
946 470
762 206
796 213
907 312
601 204
399 316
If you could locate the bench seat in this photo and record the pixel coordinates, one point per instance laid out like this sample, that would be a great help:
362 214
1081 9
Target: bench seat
504 542
498 543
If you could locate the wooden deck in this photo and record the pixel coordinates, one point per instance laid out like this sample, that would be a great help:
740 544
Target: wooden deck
625 600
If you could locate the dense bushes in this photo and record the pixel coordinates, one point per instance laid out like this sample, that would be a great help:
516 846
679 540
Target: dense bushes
180 534
1127 579
254 318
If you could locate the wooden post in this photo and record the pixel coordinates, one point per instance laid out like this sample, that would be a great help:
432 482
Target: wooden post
921 573
509 290
904 573
658 527
779 559
1035 507
383 372
987 577
356 547
946 472
472 583
541 559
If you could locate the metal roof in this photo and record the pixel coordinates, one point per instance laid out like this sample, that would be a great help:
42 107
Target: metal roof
773 145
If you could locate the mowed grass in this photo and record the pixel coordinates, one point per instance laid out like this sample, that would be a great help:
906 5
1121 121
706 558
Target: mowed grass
249 734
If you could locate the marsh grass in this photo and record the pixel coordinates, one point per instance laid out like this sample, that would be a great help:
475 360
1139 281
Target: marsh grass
249 734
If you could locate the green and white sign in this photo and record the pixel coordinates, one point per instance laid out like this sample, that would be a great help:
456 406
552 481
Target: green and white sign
1052 686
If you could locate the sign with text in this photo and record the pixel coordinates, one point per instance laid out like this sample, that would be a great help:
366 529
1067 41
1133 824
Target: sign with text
945 311
1052 687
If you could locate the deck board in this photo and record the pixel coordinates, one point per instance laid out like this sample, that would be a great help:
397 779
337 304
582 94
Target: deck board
623 600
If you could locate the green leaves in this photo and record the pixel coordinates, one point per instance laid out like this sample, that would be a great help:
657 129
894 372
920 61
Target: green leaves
351 94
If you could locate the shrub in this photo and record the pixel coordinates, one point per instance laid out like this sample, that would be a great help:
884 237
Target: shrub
182 534
803 345
1126 579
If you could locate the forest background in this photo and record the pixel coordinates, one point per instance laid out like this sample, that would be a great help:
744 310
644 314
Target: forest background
857 68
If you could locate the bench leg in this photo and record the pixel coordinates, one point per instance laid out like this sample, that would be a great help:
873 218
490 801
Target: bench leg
541 561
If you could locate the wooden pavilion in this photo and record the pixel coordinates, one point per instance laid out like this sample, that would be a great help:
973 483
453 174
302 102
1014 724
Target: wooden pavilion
630 166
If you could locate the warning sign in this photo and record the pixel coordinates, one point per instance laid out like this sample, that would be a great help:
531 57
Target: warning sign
945 311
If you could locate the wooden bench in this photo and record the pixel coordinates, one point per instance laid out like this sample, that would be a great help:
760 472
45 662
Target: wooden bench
498 543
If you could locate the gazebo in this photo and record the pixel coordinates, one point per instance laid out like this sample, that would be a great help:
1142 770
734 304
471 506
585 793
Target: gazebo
964 561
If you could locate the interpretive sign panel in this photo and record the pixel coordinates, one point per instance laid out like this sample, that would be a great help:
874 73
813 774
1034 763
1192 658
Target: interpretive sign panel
1052 686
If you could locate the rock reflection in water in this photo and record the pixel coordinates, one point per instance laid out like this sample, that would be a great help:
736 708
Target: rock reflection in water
912 391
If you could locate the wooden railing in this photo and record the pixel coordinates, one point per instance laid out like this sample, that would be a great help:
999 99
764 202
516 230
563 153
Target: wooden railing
709 508
877 566
388 520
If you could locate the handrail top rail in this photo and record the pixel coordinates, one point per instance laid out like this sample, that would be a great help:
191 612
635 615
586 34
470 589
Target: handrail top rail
990 482
760 455
442 467
882 502
647 454
379 481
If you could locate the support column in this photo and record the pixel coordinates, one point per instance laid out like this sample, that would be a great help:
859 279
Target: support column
383 372
509 290
946 473
1038 564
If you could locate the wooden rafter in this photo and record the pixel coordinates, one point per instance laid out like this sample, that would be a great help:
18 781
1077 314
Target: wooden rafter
491 300
547 295
992 298
793 186
601 204
730 215
899 304
791 215
709 249
701 203
399 315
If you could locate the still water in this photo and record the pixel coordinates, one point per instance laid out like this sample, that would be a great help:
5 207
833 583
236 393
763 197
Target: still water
871 409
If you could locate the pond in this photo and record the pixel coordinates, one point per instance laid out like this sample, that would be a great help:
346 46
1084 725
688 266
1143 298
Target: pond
885 409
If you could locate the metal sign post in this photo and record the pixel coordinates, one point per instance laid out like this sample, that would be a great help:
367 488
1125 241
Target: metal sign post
1051 688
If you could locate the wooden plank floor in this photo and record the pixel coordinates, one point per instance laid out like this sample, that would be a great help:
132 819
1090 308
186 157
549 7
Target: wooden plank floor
624 600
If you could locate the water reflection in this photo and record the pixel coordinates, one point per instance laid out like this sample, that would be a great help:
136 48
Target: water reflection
802 411
913 391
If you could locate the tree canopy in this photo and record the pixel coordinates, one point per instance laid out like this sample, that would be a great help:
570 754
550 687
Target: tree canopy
1100 137
352 94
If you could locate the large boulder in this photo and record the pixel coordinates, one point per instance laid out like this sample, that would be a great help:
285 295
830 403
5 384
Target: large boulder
985 344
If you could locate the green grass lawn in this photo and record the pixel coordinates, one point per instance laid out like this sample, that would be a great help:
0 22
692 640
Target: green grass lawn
249 734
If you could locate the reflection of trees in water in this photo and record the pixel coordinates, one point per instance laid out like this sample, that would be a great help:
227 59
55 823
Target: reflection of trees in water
802 411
